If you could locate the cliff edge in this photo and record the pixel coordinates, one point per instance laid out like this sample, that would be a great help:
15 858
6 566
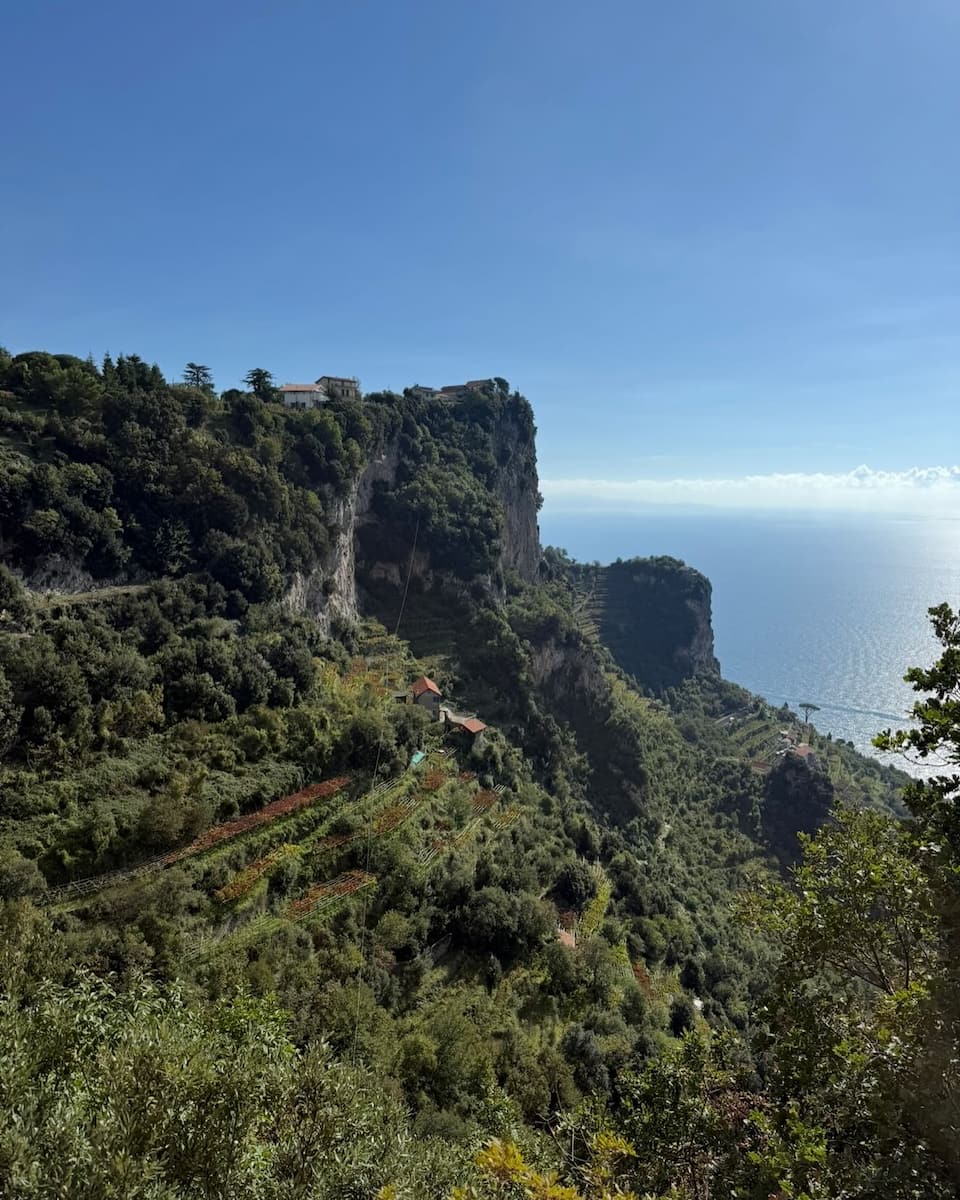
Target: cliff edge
653 614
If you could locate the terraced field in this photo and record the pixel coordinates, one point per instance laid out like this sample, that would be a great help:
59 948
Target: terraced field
330 865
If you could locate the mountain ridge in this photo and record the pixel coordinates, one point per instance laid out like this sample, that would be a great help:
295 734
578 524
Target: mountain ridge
217 775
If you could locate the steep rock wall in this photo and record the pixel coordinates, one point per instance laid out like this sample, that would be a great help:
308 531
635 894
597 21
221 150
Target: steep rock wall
517 489
329 591
654 616
497 439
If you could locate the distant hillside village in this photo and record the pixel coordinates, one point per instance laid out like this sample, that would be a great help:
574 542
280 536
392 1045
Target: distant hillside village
340 387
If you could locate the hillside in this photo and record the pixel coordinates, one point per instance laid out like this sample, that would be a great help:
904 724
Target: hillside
216 776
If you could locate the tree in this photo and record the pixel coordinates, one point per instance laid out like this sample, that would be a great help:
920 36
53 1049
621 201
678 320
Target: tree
14 601
935 734
808 708
153 1095
260 382
860 907
199 376
933 802
576 884
866 1043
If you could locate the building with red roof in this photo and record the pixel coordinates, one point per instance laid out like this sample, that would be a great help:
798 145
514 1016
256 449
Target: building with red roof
425 693
459 723
423 684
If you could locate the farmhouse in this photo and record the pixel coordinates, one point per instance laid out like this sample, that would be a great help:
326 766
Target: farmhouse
339 387
457 391
303 395
327 387
470 729
424 693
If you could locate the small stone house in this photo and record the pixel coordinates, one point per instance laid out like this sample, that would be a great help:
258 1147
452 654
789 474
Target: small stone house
457 391
303 395
340 387
468 729
424 693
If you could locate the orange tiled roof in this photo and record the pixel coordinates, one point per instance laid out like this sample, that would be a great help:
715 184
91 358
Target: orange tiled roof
423 684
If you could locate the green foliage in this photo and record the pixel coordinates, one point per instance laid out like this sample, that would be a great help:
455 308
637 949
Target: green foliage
576 885
127 472
143 1094
936 733
260 382
674 1049
199 376
858 1011
452 457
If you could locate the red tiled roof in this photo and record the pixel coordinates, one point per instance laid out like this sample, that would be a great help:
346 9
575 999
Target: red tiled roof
472 725
423 684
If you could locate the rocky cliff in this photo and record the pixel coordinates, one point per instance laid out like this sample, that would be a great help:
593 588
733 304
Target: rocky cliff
516 487
654 616
406 493
329 591
450 491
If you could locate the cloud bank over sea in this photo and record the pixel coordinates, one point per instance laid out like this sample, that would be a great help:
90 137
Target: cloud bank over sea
917 491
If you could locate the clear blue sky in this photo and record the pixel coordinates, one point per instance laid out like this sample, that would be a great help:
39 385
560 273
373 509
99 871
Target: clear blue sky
706 238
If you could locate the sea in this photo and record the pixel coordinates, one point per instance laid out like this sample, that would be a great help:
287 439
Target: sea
830 609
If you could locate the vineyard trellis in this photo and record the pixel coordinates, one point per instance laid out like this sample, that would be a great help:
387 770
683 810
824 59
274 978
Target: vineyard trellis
322 895
483 801
211 837
244 881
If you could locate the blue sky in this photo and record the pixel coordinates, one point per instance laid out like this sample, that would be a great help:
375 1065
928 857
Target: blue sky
715 239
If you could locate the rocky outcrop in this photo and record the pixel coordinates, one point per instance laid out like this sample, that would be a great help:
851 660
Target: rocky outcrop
381 553
563 669
653 614
517 489
329 591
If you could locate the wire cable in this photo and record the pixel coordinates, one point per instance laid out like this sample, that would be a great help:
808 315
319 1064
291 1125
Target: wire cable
373 784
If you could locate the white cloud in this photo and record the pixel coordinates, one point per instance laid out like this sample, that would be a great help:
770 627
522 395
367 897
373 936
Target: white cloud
931 491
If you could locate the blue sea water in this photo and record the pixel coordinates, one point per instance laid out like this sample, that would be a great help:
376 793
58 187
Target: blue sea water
830 609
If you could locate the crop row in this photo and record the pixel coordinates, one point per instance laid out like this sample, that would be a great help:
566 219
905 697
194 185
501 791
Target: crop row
395 814
244 881
322 894
278 808
596 910
482 801
211 837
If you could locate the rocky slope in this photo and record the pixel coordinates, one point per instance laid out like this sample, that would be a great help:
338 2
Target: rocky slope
654 616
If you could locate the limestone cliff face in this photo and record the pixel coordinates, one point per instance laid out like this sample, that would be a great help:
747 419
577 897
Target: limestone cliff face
517 489
562 669
654 616
329 591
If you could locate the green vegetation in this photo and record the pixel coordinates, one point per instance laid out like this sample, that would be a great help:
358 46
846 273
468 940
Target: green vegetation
653 614
249 950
